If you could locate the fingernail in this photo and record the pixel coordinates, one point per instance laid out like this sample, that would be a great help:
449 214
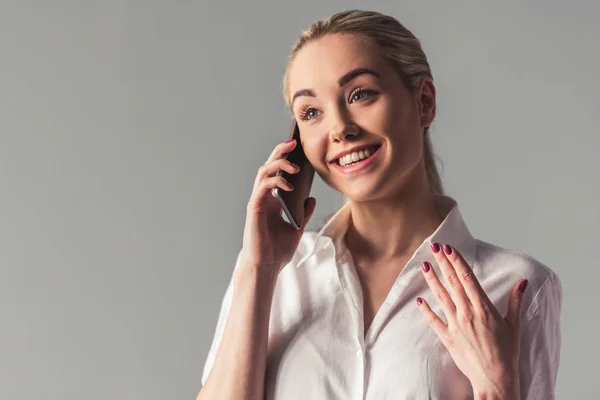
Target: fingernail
419 301
435 247
290 140
425 266
294 165
523 286
447 249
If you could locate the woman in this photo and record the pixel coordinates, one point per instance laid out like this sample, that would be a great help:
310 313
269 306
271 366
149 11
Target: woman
393 298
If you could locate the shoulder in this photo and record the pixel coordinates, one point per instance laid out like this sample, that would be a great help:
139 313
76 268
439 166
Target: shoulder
491 256
502 267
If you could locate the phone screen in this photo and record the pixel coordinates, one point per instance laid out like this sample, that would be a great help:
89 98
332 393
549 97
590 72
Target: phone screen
292 202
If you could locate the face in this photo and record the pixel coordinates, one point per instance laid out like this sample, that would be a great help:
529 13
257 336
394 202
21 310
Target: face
345 97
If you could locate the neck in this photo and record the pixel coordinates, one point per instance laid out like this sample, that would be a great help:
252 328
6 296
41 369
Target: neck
394 227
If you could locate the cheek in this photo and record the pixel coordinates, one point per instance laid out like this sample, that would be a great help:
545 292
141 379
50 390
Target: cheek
401 121
379 118
405 135
408 151
315 151
388 117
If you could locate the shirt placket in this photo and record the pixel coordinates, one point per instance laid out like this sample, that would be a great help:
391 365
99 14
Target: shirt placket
353 296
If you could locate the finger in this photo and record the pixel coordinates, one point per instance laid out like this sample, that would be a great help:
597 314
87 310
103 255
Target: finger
465 274
513 315
471 286
450 276
281 149
268 184
440 328
309 208
439 291
271 169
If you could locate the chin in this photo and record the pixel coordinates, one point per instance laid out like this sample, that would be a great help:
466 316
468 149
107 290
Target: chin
364 193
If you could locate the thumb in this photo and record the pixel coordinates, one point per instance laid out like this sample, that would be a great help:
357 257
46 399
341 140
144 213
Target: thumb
309 208
513 315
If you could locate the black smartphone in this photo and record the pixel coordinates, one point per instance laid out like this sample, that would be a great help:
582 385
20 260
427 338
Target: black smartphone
292 203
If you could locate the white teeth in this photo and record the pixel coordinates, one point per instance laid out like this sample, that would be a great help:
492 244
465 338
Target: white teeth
354 157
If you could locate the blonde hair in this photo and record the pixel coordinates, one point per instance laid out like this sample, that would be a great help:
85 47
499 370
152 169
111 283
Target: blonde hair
396 44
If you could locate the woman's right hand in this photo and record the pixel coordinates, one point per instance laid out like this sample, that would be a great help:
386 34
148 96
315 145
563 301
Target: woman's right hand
269 241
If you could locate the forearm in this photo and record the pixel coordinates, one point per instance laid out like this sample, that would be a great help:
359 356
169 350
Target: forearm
239 368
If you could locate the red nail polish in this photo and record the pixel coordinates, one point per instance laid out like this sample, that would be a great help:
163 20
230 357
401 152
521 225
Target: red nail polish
425 266
419 301
435 247
447 249
290 140
523 286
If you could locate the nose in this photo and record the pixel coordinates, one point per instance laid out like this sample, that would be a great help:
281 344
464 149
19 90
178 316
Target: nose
341 127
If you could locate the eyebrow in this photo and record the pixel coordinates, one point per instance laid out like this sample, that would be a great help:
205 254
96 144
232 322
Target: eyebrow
343 80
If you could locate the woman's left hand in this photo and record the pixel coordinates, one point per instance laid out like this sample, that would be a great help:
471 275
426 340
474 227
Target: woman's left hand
483 344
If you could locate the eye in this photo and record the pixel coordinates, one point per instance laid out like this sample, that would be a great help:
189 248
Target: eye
308 113
360 94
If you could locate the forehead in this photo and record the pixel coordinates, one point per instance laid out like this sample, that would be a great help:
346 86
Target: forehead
321 62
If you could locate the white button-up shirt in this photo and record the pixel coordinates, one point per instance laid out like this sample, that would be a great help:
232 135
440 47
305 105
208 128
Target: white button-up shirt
317 347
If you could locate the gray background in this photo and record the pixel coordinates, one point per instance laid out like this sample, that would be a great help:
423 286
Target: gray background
131 131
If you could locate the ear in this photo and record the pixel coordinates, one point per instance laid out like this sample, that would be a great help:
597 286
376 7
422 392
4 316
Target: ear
426 101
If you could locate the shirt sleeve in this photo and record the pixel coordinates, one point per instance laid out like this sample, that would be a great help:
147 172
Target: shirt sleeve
541 342
220 328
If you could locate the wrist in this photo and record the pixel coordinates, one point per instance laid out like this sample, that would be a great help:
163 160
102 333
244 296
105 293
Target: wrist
505 392
483 395
262 270
488 395
261 277
502 384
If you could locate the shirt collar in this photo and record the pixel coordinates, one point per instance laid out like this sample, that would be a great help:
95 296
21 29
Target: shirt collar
452 230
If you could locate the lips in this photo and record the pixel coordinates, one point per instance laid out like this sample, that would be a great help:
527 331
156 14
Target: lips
356 149
358 167
357 156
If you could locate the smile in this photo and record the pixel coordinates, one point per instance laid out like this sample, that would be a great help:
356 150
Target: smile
358 160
